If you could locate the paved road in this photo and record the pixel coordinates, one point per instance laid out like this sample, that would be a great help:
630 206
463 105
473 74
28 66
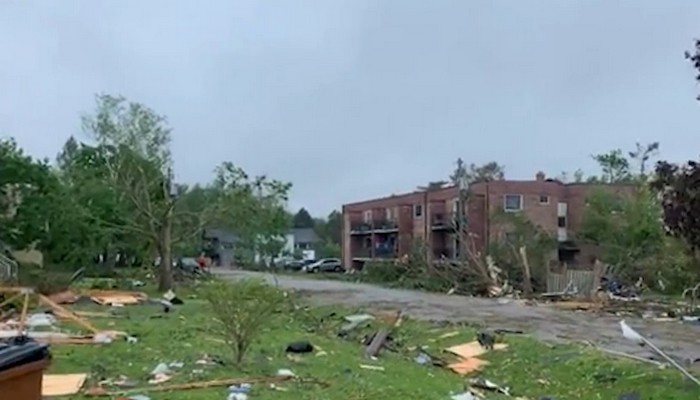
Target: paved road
682 341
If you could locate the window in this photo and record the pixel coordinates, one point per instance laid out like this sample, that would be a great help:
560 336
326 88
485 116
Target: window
368 216
513 202
561 222
418 210
390 214
544 199
455 206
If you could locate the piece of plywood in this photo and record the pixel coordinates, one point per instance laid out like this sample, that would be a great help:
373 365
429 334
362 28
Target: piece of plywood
473 349
109 300
66 297
106 297
465 367
62 385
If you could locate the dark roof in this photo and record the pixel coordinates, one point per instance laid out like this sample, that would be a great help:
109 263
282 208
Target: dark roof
223 235
304 235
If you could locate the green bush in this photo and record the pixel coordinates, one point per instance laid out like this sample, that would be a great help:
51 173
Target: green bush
242 309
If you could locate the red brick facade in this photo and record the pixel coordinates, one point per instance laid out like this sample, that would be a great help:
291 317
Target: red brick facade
387 227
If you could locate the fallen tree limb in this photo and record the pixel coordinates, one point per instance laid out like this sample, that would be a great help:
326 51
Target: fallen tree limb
631 356
379 340
100 392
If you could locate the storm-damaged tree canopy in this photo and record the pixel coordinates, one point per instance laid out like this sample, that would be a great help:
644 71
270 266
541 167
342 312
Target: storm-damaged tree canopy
679 187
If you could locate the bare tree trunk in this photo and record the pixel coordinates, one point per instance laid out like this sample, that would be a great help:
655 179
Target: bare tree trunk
165 273
527 283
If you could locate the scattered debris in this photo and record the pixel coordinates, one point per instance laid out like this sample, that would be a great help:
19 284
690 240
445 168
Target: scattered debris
569 291
448 335
632 335
62 385
116 297
467 366
285 372
100 392
122 382
136 397
300 347
632 357
468 395
171 297
239 391
372 367
482 383
354 321
473 349
423 359
380 338
66 297
468 354
10 328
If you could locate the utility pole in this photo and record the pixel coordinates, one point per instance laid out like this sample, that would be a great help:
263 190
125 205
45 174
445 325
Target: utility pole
463 188
461 180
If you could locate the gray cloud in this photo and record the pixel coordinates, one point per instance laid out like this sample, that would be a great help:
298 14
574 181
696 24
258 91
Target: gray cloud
354 99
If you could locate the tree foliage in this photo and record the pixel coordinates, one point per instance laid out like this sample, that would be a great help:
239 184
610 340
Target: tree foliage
518 232
679 187
302 219
490 171
115 195
624 223
330 229
27 197
615 167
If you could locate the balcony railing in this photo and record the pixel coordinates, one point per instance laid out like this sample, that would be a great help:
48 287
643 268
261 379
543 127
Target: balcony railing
360 227
383 225
446 220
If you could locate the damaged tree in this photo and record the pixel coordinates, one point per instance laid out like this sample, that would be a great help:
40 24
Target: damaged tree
135 141
678 186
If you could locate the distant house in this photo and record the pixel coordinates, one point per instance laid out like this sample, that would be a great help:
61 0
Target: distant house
220 245
305 238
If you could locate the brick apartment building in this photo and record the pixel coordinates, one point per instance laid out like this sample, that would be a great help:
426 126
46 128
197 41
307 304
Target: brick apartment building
387 227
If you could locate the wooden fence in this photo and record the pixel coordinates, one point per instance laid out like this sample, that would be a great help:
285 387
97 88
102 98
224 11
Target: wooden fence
584 281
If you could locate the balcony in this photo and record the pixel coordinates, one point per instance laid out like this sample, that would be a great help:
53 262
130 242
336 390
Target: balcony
377 226
446 221
362 253
380 251
385 225
385 251
359 228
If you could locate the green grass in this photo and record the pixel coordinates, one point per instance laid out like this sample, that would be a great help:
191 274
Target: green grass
530 368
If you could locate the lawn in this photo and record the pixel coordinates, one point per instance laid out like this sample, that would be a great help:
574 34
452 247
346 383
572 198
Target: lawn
531 369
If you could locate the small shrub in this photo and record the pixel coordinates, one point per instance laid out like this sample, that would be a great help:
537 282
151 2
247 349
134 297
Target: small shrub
44 280
242 308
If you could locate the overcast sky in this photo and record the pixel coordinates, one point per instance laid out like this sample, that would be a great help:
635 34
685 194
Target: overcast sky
355 99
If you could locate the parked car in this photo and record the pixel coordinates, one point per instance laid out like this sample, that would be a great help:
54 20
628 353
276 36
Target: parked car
188 264
294 265
324 265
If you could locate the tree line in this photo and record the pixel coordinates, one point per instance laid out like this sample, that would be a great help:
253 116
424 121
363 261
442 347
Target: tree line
115 194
